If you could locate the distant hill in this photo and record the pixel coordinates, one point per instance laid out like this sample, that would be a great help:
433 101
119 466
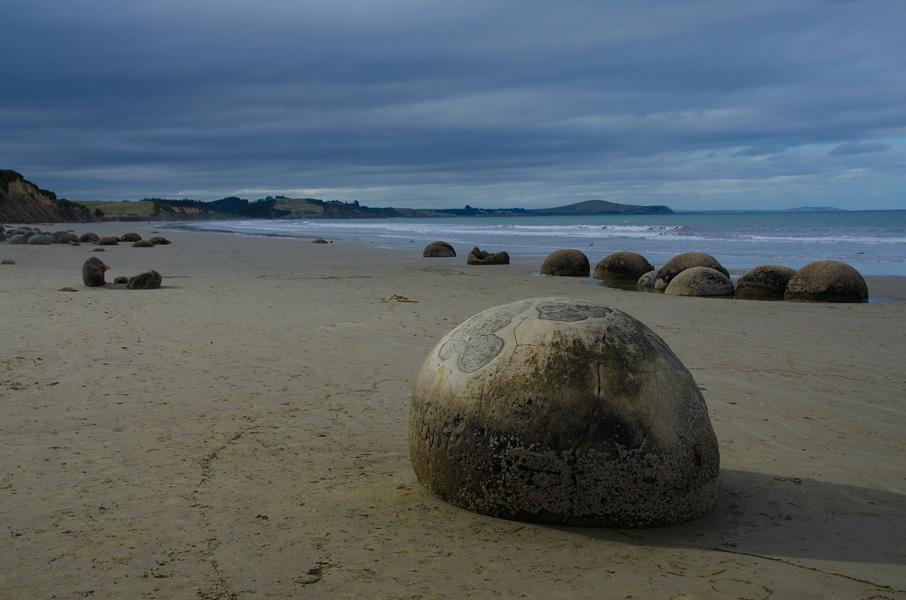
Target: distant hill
602 207
813 209
22 202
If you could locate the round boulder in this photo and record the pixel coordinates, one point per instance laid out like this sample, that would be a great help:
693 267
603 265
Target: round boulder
160 241
764 282
148 280
482 257
130 237
143 244
681 262
89 238
108 241
646 282
439 249
701 281
622 266
93 272
566 263
41 239
65 237
827 281
563 411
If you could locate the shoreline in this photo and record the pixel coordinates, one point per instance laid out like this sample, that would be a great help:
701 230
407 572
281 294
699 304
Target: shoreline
241 432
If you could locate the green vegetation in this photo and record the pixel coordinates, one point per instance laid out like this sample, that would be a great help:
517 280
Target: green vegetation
6 177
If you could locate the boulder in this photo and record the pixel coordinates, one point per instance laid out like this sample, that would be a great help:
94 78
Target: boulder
319 241
89 238
439 249
563 411
148 280
646 282
700 281
121 279
16 238
93 272
159 241
827 281
681 262
130 237
143 244
41 239
764 282
65 237
108 241
481 257
622 266
566 262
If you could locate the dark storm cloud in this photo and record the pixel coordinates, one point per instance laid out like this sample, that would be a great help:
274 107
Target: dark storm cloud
411 103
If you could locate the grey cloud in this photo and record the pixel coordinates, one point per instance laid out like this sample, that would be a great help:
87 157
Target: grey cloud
859 148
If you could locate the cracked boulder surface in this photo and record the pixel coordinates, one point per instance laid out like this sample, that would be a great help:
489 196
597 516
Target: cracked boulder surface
563 411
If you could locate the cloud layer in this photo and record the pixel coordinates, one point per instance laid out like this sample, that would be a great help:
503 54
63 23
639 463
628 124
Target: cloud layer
698 105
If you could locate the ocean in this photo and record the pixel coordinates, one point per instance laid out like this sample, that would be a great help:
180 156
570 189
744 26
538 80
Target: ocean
874 242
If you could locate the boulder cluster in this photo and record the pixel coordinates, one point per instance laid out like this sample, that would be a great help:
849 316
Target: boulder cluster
34 236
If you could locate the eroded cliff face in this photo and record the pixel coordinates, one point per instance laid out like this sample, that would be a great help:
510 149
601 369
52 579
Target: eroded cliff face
23 202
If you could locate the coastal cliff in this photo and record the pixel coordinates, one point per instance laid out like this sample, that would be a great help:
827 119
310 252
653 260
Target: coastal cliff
21 201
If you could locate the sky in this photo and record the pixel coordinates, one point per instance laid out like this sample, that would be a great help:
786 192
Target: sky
697 105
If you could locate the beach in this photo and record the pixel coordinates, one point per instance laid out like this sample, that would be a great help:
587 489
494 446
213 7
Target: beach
241 432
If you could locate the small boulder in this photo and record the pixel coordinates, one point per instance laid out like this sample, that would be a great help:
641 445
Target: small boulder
622 266
700 281
160 241
108 241
130 237
566 262
646 282
481 257
439 249
319 241
681 262
143 244
827 281
16 239
41 239
93 272
121 279
764 282
89 238
148 280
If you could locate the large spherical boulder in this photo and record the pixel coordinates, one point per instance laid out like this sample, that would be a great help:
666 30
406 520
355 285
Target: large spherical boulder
681 262
701 281
566 263
149 280
130 237
622 266
482 257
108 241
764 282
41 239
89 238
93 272
65 237
827 281
563 411
439 249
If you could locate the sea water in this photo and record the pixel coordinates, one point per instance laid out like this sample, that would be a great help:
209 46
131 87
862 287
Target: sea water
874 242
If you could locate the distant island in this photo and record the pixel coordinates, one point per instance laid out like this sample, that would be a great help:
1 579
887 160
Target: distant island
23 202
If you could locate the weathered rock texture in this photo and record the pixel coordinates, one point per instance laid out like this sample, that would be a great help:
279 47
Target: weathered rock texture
93 272
764 282
827 281
700 281
622 266
148 280
563 411
481 257
439 249
566 263
681 262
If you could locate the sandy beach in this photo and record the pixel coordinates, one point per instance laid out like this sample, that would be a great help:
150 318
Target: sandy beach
241 433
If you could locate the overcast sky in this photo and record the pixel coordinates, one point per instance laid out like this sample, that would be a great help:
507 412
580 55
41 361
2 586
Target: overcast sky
696 104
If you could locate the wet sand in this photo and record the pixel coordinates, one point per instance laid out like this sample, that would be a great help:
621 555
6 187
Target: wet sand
241 433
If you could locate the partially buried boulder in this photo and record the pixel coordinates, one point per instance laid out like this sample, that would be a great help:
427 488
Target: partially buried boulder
481 257
563 411
143 244
108 241
65 237
439 249
764 282
681 262
130 237
566 262
93 272
701 281
827 281
148 280
89 238
646 282
622 266
159 241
